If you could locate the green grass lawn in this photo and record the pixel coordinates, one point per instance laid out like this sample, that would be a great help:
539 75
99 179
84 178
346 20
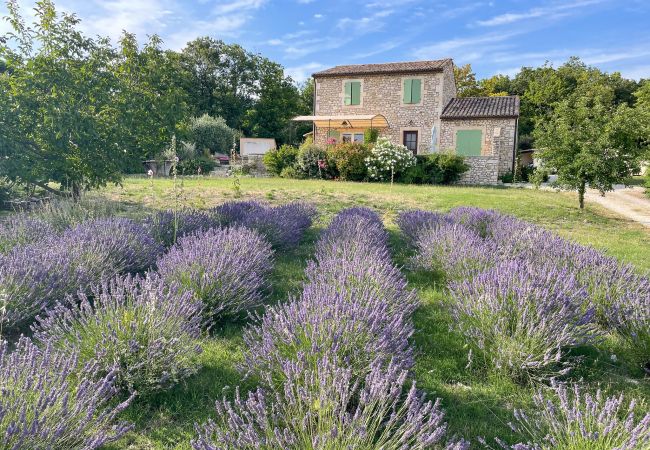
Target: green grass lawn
476 404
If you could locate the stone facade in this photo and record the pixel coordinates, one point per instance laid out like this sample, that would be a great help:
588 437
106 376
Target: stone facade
498 138
438 115
482 170
382 94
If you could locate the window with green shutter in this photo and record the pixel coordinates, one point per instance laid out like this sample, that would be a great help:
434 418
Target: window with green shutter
469 142
352 93
412 90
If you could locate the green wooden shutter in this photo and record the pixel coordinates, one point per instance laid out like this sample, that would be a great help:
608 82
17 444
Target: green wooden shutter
468 142
355 96
407 90
348 93
416 87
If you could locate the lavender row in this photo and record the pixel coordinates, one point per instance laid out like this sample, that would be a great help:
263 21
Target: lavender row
333 363
470 242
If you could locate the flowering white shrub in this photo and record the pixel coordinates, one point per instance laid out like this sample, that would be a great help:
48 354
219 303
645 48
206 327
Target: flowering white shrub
388 159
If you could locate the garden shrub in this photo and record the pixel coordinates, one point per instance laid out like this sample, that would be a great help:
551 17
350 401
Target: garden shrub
146 330
23 230
226 269
276 160
436 168
33 278
412 223
291 173
454 251
350 160
334 412
540 175
65 213
167 226
370 135
572 419
100 249
192 166
283 226
520 318
49 401
312 161
387 160
211 133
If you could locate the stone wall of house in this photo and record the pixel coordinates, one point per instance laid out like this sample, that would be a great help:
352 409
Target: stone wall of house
482 170
498 138
382 94
448 85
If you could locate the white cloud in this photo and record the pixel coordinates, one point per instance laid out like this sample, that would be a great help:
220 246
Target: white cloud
302 72
275 42
554 11
477 44
318 16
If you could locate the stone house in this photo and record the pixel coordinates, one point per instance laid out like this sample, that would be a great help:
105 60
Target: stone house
415 104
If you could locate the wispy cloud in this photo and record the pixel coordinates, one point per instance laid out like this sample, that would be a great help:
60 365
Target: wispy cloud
303 72
553 11
479 44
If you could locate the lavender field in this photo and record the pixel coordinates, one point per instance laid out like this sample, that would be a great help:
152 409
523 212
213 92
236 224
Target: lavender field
306 326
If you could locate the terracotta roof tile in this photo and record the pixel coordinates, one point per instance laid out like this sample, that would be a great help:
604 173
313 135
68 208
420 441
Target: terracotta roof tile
479 107
376 69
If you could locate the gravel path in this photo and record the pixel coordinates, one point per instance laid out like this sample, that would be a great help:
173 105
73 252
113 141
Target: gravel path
631 203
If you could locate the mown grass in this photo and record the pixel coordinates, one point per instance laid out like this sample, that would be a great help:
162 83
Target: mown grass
476 404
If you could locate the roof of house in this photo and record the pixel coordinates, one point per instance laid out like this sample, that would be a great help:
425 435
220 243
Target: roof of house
377 69
481 107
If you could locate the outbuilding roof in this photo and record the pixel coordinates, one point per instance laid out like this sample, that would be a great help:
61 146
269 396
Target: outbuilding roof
377 69
481 107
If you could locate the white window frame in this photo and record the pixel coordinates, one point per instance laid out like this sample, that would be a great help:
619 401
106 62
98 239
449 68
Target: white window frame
352 135
401 91
360 105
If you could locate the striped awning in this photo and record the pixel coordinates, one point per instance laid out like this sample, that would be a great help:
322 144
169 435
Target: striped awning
347 121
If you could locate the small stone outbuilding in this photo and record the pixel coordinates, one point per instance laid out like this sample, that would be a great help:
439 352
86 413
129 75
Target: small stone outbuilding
415 104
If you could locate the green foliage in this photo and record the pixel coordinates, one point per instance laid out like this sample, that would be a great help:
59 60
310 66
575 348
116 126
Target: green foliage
349 160
589 140
647 182
192 166
436 168
291 172
312 161
277 159
370 135
211 134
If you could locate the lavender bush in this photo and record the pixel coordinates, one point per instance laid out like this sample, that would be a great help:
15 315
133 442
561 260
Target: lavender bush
22 230
283 226
412 222
630 317
168 226
32 278
579 420
351 231
454 250
47 402
101 249
521 317
350 325
326 408
147 331
225 268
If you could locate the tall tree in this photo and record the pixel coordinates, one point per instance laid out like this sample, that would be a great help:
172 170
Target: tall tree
57 117
590 141
466 84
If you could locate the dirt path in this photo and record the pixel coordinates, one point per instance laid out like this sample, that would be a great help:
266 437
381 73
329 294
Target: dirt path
631 203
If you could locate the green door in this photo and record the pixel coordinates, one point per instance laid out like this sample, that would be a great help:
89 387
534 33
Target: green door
468 142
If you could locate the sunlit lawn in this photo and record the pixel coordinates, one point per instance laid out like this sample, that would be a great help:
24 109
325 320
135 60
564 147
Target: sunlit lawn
476 404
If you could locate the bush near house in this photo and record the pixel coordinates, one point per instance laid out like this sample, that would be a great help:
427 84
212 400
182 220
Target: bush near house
349 160
312 162
437 168
278 159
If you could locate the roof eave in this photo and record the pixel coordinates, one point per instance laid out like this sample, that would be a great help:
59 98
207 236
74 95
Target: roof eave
479 117
395 72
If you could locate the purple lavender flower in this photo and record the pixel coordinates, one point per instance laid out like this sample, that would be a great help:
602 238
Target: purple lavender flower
147 330
454 250
575 419
168 226
49 401
283 226
325 408
413 222
22 230
227 269
521 317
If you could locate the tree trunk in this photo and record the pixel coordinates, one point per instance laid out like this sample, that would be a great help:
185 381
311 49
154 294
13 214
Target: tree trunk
76 191
581 194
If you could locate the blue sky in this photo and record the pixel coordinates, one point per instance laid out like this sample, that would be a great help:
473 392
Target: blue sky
309 35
